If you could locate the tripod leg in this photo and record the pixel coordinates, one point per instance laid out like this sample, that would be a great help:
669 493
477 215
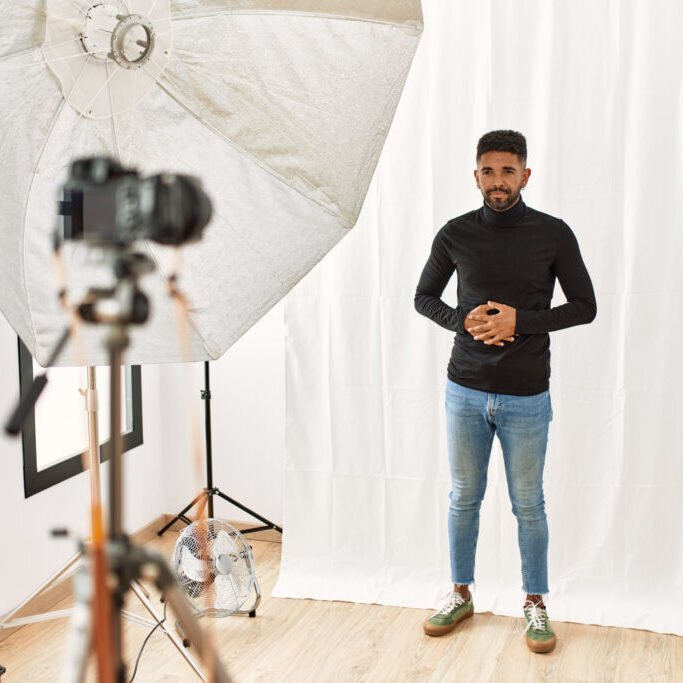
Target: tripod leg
270 524
135 586
57 575
181 514
78 645
195 634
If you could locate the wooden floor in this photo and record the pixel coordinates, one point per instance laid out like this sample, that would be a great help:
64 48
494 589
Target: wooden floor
306 640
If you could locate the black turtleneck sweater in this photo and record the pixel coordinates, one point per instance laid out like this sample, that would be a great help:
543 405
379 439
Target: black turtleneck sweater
511 257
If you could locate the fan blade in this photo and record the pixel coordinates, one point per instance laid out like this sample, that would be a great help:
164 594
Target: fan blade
193 567
223 545
227 593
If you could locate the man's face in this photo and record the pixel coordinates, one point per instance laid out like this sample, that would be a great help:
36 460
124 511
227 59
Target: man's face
500 176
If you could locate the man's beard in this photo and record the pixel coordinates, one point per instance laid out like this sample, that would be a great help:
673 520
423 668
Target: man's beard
502 203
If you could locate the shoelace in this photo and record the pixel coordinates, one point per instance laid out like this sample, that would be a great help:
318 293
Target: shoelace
453 600
537 617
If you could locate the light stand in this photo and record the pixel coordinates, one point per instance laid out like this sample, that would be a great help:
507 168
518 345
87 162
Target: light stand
206 496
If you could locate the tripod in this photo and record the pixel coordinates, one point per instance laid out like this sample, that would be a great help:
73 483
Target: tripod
128 563
206 496
118 565
90 396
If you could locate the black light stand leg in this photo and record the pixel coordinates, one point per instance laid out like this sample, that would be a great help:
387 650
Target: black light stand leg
210 491
181 514
270 525
206 396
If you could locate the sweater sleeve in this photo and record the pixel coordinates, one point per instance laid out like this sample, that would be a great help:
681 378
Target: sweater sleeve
435 276
580 307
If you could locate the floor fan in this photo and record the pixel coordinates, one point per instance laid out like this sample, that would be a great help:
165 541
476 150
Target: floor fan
215 568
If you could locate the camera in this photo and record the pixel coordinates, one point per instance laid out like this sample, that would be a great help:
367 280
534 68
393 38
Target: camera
105 204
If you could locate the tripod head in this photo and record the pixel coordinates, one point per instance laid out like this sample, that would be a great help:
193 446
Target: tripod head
123 304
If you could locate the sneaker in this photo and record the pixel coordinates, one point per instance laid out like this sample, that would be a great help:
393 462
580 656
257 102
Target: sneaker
539 636
455 609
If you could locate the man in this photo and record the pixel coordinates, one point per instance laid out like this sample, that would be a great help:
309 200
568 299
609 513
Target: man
507 257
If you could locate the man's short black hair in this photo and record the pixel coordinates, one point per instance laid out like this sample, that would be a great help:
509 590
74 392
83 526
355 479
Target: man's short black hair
502 141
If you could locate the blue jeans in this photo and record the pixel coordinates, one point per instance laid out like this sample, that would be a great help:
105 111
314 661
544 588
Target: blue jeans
521 422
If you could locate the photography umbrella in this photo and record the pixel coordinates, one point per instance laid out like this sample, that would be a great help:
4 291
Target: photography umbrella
280 107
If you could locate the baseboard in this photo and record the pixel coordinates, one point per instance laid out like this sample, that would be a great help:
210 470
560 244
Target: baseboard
61 589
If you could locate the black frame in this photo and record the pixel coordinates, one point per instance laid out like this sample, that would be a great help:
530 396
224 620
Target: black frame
36 480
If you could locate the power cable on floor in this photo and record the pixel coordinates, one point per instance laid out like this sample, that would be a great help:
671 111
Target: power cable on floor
142 647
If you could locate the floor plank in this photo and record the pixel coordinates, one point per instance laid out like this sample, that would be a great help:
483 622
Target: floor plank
647 657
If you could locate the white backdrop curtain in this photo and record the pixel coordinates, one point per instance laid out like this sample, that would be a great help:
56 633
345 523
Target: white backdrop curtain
597 89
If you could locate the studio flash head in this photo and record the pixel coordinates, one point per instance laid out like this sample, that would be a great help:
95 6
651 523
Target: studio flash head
105 204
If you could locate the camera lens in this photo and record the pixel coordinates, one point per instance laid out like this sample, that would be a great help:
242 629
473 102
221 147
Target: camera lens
181 209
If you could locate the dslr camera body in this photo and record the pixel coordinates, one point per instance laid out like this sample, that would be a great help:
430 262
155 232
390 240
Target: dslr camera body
107 205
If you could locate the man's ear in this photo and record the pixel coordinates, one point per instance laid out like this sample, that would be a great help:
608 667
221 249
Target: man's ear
476 178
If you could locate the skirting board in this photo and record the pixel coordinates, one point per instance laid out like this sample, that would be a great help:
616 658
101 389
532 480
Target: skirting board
60 589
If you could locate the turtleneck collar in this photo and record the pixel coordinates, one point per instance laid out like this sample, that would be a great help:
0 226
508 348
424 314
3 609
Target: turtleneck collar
511 216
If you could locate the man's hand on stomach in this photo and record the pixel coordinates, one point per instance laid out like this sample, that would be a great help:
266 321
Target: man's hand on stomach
494 328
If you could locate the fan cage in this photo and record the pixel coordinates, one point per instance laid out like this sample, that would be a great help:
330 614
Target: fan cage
214 566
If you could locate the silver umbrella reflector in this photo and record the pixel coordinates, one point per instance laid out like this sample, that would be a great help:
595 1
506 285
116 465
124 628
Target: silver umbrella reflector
280 107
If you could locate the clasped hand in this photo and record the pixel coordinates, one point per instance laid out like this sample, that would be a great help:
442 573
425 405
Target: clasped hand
492 329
